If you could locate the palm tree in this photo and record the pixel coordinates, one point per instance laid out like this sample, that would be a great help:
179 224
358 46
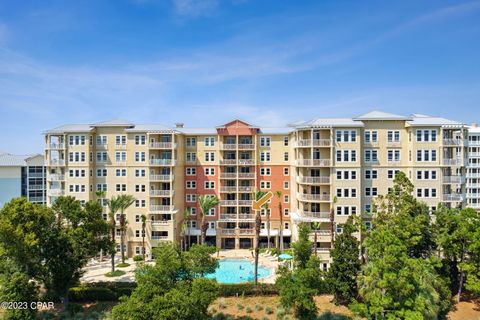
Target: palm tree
267 212
258 223
279 196
113 206
101 195
315 227
206 202
332 222
126 201
185 230
144 225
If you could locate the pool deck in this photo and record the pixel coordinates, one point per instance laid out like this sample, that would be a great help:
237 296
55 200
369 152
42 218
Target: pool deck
264 260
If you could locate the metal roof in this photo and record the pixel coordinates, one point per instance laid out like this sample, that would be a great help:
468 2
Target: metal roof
70 128
13 160
328 123
113 123
380 115
425 120
155 128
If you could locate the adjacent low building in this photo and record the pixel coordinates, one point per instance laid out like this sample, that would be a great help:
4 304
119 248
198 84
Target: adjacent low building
22 176
324 170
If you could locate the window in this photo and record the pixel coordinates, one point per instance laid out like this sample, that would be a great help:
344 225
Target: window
120 156
392 173
209 141
101 187
139 172
140 203
346 135
286 212
265 141
286 198
191 142
346 193
140 140
101 172
346 174
265 184
120 140
285 141
426 155
265 171
285 156
139 188
191 198
371 155
426 175
209 184
102 157
265 156
209 171
121 187
76 157
190 171
285 171
193 211
140 156
346 210
371 174
210 156
211 212
77 188
393 136
137 218
426 135
286 185
346 155
371 136
191 184
76 140
101 140
191 157
77 173
426 193
120 172
393 155
371 192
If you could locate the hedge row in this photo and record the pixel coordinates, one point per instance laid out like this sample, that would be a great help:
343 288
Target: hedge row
111 291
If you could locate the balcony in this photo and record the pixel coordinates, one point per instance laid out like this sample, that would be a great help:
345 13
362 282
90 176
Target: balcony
325 215
162 222
245 202
162 145
246 146
453 179
57 162
473 165
56 177
452 197
35 174
473 185
247 232
159 238
453 142
474 143
121 146
160 208
323 250
473 175
228 202
36 199
246 162
245 189
161 177
228 146
55 192
228 175
314 180
228 162
227 231
246 217
228 216
102 146
56 146
313 163
452 162
314 197
228 189
474 154
313 143
36 187
162 162
242 175
161 193
321 232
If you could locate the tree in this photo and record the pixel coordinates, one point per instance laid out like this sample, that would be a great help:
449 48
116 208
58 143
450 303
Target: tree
458 240
302 248
113 207
126 201
206 202
267 213
144 226
278 194
258 223
199 260
170 289
341 276
187 213
315 226
15 285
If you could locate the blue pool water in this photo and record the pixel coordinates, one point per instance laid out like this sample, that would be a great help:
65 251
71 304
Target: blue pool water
236 271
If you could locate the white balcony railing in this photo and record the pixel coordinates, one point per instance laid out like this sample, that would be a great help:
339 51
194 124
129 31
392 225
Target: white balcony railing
473 175
453 142
228 188
161 162
246 146
314 197
452 197
57 146
246 175
228 175
314 180
245 189
228 202
474 143
56 177
228 146
313 162
244 216
228 161
313 143
228 216
159 237
57 162
247 232
160 208
452 162
227 231
453 179
318 215
161 193
161 177
162 145
244 202
35 187
56 192
162 222
246 161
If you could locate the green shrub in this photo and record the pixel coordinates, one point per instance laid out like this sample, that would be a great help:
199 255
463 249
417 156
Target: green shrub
264 318
101 291
74 308
137 258
247 289
116 273
248 309
123 265
219 316
268 310
258 307
240 306
274 252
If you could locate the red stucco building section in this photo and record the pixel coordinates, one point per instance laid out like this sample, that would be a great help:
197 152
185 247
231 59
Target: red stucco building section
277 179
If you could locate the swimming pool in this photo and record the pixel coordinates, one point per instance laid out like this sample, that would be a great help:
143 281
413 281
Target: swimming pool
236 271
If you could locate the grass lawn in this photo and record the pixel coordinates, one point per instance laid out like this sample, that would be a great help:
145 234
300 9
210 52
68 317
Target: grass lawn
116 273
123 265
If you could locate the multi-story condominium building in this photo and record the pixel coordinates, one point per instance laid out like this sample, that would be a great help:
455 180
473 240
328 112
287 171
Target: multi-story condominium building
22 176
325 170
473 168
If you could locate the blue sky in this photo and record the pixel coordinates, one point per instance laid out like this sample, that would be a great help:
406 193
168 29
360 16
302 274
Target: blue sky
204 62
